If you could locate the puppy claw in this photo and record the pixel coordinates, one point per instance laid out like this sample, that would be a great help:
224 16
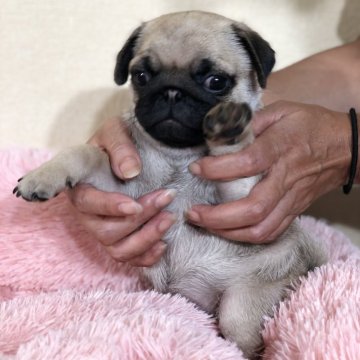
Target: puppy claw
34 197
37 197
15 189
69 182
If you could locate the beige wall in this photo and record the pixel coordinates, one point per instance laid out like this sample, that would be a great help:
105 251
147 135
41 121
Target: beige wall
57 58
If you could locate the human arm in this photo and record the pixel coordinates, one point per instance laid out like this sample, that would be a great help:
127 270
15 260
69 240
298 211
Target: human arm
330 78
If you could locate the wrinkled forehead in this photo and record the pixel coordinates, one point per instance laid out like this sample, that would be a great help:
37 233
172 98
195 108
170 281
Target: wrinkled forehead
184 40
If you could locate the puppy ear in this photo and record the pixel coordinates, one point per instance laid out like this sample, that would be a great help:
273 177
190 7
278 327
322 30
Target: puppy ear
124 57
262 56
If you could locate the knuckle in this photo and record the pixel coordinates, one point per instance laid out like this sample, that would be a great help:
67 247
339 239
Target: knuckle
118 255
149 236
259 210
110 208
123 149
207 167
85 221
78 198
212 166
134 246
249 162
107 234
209 217
258 234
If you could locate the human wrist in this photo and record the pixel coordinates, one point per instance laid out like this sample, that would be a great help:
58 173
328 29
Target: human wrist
329 78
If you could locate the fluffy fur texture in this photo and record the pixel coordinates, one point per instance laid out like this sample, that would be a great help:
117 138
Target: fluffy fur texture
62 297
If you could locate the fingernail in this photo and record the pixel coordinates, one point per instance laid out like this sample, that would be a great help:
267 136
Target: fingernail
130 168
193 216
166 223
165 198
195 168
130 208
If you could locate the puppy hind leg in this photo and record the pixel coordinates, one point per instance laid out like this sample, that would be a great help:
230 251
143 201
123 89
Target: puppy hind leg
241 313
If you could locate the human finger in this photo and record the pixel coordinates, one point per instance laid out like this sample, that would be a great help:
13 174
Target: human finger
139 242
109 229
113 137
151 256
264 231
244 212
92 201
282 227
253 160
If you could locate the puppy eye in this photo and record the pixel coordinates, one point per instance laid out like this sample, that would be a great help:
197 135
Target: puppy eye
216 83
141 78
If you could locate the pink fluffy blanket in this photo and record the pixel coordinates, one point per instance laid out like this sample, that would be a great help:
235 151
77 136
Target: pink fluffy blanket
62 297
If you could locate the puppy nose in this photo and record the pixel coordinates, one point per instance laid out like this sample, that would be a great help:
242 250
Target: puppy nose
172 95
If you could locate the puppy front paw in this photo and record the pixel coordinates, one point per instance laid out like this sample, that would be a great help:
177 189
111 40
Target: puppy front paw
42 184
226 122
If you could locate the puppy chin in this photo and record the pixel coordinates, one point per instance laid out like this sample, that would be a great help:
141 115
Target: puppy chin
172 133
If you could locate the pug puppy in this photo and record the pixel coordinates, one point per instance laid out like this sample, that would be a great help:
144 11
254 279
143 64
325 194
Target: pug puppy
197 78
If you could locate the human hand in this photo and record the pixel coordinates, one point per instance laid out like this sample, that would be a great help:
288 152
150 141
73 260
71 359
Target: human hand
129 230
304 151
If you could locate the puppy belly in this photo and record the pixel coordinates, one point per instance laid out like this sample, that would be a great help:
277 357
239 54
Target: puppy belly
196 265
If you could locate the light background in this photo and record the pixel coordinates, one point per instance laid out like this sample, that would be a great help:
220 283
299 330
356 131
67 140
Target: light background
57 60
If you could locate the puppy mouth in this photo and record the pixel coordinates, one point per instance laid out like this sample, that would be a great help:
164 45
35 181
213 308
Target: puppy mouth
168 123
172 122
173 132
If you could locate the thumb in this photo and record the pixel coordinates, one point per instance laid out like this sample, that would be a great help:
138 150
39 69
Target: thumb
114 138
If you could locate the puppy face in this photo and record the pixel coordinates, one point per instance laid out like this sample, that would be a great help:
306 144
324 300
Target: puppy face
183 64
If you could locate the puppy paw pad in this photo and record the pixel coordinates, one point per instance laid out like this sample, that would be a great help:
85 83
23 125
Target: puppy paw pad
226 121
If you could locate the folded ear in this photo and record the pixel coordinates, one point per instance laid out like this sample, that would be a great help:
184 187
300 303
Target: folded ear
124 57
262 56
